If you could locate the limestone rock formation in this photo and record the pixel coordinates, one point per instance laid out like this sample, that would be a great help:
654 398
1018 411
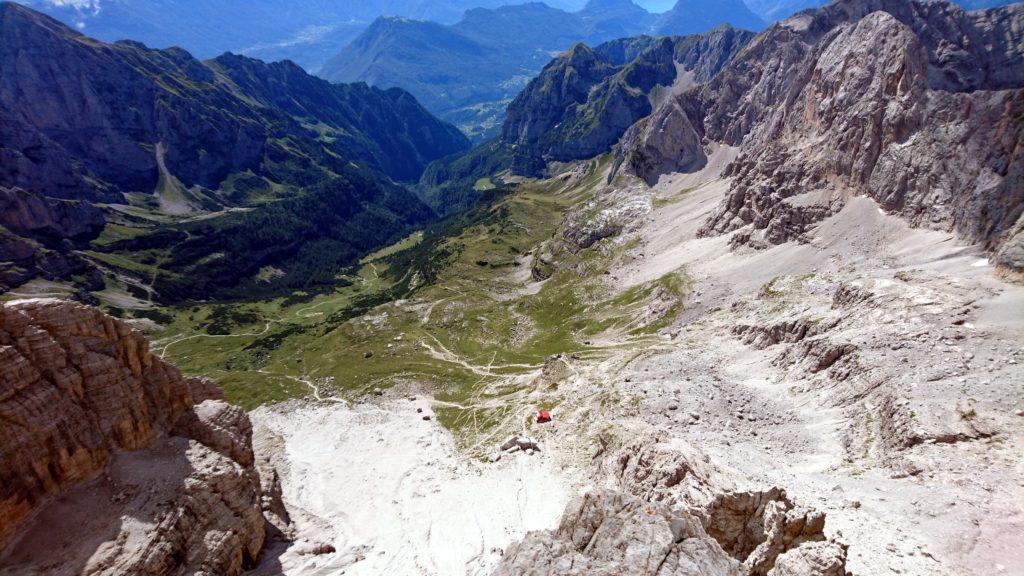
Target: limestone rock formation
1009 260
818 558
609 533
666 141
757 527
865 119
671 510
48 220
659 469
112 462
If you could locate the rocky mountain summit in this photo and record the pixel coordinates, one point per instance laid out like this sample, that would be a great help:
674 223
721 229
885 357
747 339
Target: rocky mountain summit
695 17
112 462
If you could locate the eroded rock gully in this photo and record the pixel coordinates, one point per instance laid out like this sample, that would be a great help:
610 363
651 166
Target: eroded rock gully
111 462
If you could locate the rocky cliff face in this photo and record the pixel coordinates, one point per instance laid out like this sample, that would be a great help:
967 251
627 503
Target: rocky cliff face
111 462
917 105
48 220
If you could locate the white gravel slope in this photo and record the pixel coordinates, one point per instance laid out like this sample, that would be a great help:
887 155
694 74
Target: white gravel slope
390 493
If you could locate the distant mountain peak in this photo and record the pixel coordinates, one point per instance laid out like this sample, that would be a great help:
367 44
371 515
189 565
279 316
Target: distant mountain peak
579 49
12 14
604 5
697 16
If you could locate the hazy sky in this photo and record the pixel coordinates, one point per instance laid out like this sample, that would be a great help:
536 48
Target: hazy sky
656 5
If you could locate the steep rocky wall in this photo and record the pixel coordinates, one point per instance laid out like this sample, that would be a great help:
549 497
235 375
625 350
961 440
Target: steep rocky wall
81 399
35 234
863 120
583 101
963 51
47 219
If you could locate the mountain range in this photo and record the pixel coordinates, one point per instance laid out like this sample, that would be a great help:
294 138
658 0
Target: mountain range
468 72
310 33
276 162
772 10
202 27
305 32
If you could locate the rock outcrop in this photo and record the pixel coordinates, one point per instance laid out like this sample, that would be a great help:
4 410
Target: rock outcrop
756 527
607 533
817 558
112 462
673 511
47 220
744 534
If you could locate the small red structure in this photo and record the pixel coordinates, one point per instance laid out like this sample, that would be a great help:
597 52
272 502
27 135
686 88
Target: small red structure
543 417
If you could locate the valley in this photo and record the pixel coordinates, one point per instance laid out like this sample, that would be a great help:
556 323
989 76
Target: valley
663 334
718 359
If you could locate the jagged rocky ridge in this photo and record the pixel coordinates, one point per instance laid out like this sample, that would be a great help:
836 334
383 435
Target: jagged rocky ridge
469 71
584 100
112 462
